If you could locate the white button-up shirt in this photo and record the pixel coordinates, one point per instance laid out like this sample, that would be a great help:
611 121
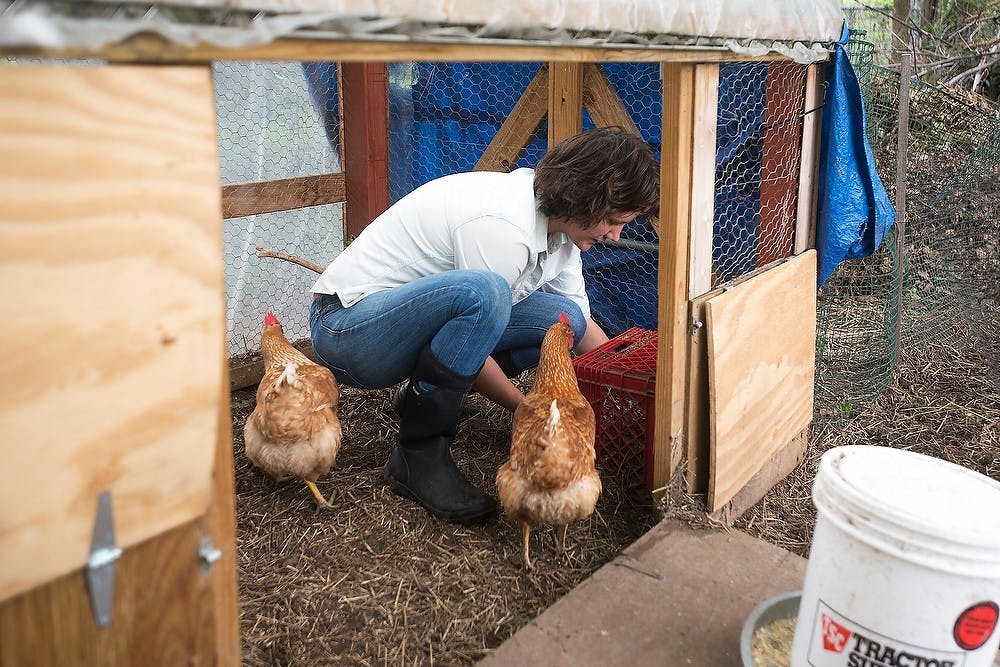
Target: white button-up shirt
474 220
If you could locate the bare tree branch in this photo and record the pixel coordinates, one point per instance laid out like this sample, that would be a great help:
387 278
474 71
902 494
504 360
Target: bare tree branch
986 64
277 254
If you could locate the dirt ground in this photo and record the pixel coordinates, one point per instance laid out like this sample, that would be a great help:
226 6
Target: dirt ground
378 581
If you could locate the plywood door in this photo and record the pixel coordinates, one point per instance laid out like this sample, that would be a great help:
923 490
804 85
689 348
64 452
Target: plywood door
113 378
761 358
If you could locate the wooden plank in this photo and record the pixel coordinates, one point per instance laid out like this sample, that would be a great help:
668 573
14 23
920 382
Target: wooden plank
805 216
780 161
519 127
282 195
220 523
565 101
698 431
773 471
365 105
116 388
602 101
150 48
761 349
675 221
706 101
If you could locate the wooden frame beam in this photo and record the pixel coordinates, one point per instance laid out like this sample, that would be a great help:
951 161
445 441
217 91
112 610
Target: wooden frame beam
675 223
565 101
805 217
602 101
517 129
706 101
365 105
153 48
282 195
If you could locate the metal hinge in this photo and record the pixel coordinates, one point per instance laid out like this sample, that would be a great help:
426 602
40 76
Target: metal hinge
208 553
101 563
696 324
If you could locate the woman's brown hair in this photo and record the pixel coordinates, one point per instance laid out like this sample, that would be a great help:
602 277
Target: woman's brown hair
598 173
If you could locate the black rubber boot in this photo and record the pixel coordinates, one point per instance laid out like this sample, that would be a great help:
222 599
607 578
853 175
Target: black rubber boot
420 466
468 411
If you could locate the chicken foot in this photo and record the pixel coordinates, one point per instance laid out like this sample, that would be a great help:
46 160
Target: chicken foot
526 532
321 502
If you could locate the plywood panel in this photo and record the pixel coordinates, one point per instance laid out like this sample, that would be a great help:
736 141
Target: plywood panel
111 266
761 347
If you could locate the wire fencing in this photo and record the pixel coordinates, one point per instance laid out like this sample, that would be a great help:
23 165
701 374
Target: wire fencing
945 272
279 121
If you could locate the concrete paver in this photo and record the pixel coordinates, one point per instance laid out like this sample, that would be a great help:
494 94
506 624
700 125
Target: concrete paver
677 596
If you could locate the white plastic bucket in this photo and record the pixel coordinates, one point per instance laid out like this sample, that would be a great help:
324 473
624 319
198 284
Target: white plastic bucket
904 569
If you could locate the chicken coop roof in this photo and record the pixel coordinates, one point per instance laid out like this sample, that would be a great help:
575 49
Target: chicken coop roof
800 29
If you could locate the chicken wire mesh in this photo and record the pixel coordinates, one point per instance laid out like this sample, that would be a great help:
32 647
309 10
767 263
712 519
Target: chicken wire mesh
275 121
948 263
758 149
443 116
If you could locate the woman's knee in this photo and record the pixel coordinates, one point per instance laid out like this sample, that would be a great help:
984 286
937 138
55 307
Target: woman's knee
491 293
577 321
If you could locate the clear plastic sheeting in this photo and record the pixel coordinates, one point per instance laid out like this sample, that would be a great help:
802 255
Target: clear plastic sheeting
799 29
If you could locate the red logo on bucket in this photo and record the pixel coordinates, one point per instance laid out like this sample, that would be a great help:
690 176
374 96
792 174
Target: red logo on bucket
975 625
835 636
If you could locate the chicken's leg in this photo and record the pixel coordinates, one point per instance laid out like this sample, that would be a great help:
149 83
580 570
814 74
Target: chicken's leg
526 531
322 502
561 540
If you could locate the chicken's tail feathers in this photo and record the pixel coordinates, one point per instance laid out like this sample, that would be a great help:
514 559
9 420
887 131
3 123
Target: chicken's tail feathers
270 320
288 377
553 422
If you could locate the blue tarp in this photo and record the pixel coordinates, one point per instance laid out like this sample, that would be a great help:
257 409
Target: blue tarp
854 211
442 115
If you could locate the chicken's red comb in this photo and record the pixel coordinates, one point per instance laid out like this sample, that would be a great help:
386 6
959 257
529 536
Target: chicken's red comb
270 319
563 318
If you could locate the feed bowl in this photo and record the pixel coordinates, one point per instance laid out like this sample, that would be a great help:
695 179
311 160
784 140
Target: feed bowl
779 607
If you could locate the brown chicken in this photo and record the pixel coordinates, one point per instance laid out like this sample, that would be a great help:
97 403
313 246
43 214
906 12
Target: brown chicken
293 430
550 478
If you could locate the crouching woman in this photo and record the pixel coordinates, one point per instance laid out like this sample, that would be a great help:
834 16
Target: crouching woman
455 286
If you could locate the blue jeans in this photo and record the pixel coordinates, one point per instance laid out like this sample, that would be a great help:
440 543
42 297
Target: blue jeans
465 316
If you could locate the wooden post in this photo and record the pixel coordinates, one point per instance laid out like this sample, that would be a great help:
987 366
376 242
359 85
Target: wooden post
675 226
902 143
565 101
805 217
365 105
706 101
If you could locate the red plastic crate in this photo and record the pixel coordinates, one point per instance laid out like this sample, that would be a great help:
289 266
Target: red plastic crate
618 378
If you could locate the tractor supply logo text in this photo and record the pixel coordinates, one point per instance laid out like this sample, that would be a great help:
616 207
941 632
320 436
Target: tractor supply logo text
867 652
838 641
